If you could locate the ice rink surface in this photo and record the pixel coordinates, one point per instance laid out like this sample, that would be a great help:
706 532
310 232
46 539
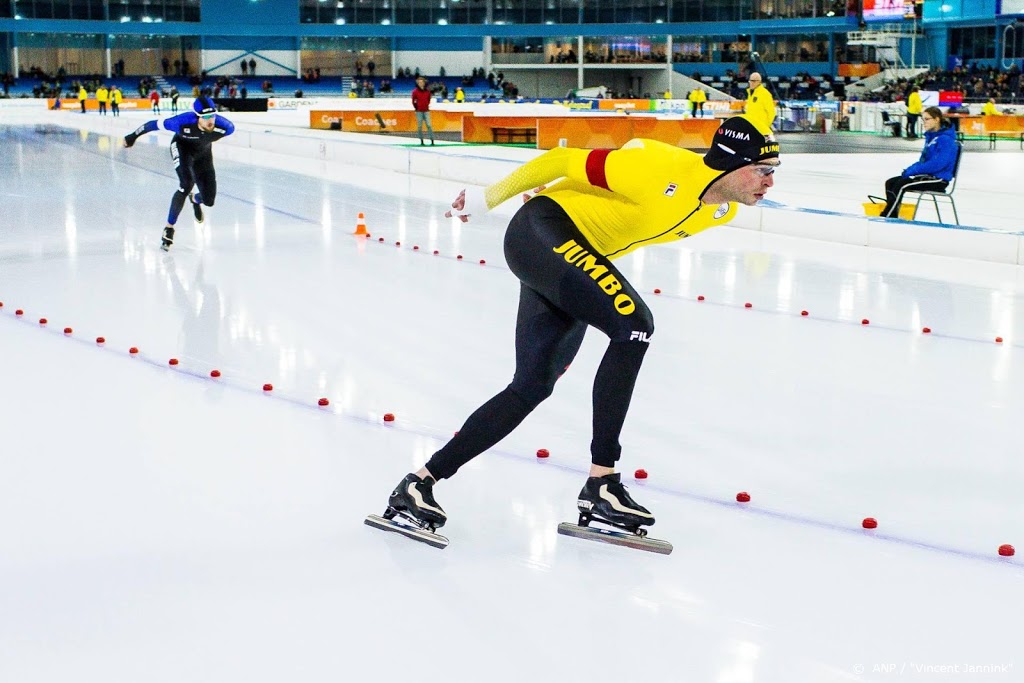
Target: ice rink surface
161 525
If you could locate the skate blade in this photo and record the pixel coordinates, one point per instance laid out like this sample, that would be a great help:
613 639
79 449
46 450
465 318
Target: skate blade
591 533
421 535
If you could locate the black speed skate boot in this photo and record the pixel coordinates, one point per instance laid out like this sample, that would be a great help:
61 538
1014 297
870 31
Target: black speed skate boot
413 499
605 499
168 238
197 209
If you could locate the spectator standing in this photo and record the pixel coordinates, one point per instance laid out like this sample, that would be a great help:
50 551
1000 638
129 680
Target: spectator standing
760 103
697 99
115 101
421 103
913 112
102 97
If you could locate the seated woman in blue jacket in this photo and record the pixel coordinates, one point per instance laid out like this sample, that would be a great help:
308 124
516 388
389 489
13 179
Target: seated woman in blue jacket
933 170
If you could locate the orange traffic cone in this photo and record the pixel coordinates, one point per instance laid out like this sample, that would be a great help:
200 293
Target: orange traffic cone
361 225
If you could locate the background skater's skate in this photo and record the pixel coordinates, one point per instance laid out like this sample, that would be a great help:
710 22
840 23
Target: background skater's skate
413 512
605 500
168 238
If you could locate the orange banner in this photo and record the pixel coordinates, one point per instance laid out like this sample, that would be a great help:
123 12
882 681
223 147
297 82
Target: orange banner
93 105
609 133
983 125
861 70
629 105
585 132
384 121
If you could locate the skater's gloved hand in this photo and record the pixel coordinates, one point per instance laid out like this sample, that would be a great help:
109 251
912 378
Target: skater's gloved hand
470 202
130 139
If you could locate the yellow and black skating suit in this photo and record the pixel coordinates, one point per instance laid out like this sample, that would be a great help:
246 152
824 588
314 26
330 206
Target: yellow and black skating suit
645 193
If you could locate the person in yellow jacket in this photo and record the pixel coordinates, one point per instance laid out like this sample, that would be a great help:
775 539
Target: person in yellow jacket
697 99
760 103
561 245
914 108
460 94
115 100
102 97
989 108
83 95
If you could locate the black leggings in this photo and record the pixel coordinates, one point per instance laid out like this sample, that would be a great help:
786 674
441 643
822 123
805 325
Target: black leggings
194 170
895 187
566 286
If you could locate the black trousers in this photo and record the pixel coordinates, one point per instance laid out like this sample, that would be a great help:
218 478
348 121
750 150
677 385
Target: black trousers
194 170
912 125
566 286
895 187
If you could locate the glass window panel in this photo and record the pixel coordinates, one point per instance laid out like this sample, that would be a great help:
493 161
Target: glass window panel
689 49
518 51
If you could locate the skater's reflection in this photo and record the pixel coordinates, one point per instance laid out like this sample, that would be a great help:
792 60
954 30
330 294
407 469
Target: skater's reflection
200 302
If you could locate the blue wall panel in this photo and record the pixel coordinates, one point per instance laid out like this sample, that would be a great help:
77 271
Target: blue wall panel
282 13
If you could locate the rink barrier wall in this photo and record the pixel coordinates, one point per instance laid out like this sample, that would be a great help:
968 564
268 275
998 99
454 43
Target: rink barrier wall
971 242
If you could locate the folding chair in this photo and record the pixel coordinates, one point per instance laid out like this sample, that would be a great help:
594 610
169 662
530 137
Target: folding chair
946 194
894 126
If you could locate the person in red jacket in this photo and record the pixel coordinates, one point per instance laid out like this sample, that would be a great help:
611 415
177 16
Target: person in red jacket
421 103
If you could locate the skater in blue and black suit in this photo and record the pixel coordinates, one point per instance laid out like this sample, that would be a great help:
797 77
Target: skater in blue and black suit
191 150
933 170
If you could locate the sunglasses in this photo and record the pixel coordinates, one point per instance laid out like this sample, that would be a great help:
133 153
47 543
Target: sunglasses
764 170
207 117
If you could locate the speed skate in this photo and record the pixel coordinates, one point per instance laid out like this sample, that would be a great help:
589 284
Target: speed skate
408 527
413 512
636 539
605 500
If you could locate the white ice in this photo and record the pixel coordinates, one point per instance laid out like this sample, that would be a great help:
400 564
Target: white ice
162 526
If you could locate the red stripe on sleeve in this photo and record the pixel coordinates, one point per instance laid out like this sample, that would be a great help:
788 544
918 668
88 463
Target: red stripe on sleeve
595 168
